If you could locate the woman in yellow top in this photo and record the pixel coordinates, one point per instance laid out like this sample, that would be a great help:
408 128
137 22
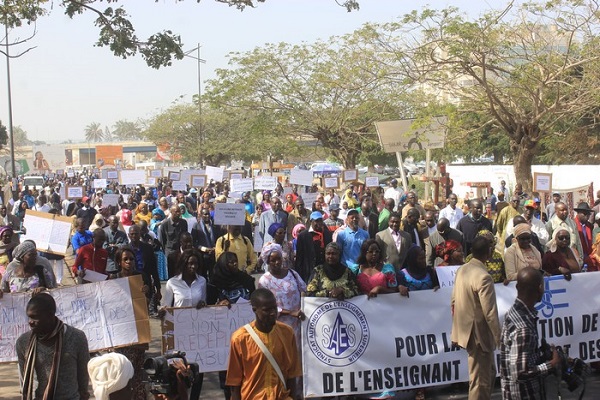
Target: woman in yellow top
142 214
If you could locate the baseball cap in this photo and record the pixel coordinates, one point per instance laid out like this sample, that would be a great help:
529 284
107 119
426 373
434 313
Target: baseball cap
352 211
316 215
85 199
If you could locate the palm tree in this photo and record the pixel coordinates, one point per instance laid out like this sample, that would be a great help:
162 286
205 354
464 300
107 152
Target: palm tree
94 132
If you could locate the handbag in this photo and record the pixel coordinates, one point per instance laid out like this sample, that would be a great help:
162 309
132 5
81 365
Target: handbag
266 352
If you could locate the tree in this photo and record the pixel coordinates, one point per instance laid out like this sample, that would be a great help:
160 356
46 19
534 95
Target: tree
94 132
116 30
528 72
326 91
3 136
127 130
216 136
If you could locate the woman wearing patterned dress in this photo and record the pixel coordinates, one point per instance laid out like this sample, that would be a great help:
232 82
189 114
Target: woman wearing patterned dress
332 279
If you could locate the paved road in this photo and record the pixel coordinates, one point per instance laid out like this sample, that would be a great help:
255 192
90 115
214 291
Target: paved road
9 380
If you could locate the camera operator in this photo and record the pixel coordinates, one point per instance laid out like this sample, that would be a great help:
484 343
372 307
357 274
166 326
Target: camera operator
522 368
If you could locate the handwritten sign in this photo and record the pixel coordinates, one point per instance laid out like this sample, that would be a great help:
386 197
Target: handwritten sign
236 175
75 192
242 185
112 175
111 314
214 173
446 275
174 176
265 182
301 177
371 181
204 334
132 177
111 199
99 183
49 232
230 214
309 198
155 173
186 174
179 186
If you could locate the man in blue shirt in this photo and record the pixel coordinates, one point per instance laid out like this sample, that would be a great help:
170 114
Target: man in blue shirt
350 239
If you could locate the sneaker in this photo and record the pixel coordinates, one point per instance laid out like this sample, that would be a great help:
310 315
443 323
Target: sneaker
384 395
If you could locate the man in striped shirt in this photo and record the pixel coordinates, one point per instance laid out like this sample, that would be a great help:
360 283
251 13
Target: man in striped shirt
522 370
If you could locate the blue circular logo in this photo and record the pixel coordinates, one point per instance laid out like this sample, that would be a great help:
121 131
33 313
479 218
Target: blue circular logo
337 333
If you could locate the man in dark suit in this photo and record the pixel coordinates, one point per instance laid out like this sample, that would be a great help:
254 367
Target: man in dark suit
115 238
310 246
171 229
411 224
368 220
472 223
393 242
204 237
443 232
146 262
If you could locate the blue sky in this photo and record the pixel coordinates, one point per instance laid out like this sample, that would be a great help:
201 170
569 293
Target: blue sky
65 83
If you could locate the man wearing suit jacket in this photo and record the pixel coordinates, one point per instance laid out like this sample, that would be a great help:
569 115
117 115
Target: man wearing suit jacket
310 246
475 323
204 237
443 232
418 232
145 253
394 243
367 219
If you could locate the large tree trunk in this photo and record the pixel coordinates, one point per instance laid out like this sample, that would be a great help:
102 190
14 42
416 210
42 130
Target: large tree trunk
524 149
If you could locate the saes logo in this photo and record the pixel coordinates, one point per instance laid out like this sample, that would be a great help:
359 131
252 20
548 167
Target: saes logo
338 333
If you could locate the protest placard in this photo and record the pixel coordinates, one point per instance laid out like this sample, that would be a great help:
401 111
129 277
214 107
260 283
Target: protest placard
111 313
99 183
446 275
229 214
350 175
265 182
198 181
111 199
174 176
309 198
186 174
112 175
301 177
50 232
150 181
371 181
242 185
214 173
132 177
236 175
331 182
75 192
155 173
179 186
204 334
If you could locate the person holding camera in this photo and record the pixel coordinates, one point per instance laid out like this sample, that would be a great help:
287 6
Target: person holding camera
522 368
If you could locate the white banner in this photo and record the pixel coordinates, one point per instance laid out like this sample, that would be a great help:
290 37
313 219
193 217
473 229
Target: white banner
394 343
204 334
214 173
104 311
301 177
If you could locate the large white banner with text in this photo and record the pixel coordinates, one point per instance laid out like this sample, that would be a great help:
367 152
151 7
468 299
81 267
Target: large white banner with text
393 343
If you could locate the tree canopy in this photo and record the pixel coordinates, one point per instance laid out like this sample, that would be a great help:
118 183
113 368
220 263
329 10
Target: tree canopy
527 72
94 132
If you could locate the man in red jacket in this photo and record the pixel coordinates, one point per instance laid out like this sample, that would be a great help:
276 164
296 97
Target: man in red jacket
92 256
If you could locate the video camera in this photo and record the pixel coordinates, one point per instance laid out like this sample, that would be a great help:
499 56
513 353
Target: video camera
162 375
572 371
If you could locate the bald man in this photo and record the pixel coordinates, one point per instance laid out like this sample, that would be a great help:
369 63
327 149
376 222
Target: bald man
171 229
521 369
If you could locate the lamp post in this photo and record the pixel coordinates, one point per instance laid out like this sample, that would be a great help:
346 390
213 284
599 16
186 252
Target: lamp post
200 61
10 122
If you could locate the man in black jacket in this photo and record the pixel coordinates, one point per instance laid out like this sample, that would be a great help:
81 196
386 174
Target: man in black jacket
146 262
115 238
310 247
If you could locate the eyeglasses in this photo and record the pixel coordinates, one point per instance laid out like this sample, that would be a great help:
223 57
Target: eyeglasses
524 238
567 237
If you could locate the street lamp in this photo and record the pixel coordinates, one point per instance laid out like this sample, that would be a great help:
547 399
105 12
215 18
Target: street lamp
10 121
200 61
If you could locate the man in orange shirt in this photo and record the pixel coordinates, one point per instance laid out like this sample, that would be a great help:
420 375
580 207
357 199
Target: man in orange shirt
249 373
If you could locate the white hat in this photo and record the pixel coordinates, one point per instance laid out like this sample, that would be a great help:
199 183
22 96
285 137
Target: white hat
109 373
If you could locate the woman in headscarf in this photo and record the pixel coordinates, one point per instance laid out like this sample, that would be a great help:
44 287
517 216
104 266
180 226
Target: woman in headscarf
126 265
27 272
286 285
561 258
163 204
451 252
495 264
231 284
277 232
332 278
288 206
295 232
126 219
191 220
142 213
348 197
110 375
158 216
521 253
8 241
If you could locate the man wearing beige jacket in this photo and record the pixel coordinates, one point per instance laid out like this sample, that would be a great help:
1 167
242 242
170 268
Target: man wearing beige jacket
475 323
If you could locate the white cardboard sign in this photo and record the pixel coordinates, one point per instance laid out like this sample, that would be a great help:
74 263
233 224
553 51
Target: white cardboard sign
301 177
230 214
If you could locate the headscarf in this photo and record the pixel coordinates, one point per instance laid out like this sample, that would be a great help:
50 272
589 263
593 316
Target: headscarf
4 229
159 212
154 223
223 278
521 229
553 243
486 233
23 249
296 230
269 249
184 211
334 272
126 217
109 373
273 228
445 249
